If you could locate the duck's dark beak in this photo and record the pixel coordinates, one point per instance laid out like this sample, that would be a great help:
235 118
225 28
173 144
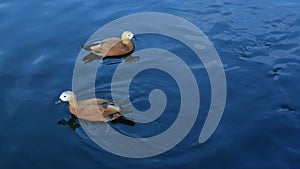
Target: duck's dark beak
58 101
134 38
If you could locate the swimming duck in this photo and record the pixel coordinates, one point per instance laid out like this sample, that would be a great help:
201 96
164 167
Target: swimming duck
94 109
111 47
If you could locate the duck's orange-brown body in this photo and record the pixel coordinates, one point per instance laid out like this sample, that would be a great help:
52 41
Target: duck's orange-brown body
113 47
93 110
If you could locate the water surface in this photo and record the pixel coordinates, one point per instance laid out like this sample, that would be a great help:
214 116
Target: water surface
258 43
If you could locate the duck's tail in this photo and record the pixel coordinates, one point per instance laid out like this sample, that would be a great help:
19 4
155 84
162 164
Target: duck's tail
123 120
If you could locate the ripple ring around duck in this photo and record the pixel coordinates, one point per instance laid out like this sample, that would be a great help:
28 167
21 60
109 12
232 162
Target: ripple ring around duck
180 29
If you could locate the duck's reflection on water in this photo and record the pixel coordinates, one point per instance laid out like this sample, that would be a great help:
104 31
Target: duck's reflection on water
72 122
92 57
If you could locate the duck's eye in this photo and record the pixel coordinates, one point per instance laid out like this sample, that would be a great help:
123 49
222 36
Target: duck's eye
65 96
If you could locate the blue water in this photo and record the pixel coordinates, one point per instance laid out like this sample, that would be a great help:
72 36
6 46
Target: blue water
258 43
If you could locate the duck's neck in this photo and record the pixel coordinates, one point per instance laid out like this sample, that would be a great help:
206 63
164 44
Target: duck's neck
73 102
125 41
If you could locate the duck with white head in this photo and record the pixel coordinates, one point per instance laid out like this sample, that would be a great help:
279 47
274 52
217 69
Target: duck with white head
111 47
94 109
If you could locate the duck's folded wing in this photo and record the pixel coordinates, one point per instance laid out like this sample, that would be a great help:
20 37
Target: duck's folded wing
108 44
110 110
111 41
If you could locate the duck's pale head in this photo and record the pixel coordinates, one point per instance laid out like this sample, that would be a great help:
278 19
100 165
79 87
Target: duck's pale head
67 96
127 35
